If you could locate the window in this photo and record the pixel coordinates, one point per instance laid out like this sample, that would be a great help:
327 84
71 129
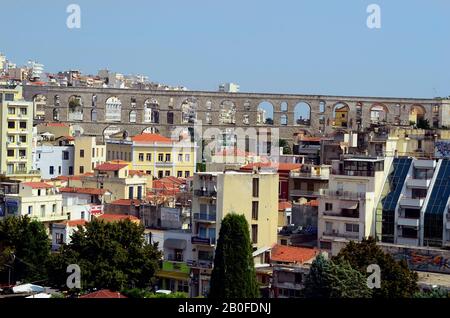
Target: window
9 97
180 157
11 125
65 155
255 187
167 173
187 157
30 210
10 139
82 214
186 174
22 153
167 157
148 172
10 152
160 174
254 233
59 170
59 238
255 205
328 227
51 170
141 156
81 169
70 171
11 110
23 111
93 152
42 210
54 208
130 192
81 153
179 174
160 157
149 157
352 227
23 138
23 125
39 192
328 206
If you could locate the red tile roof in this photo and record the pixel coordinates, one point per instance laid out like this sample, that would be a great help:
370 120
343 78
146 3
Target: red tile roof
151 138
291 254
306 138
56 125
311 203
280 166
140 173
37 185
104 293
93 191
283 205
116 217
73 223
127 202
108 166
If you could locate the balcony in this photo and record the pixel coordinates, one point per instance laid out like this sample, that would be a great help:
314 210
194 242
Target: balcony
408 221
425 164
205 193
205 241
208 264
164 163
407 241
352 173
342 214
343 195
309 175
51 218
411 202
204 217
348 235
418 183
303 193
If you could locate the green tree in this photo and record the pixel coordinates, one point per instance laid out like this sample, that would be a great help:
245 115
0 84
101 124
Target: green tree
110 255
328 279
286 149
24 250
397 280
234 275
434 293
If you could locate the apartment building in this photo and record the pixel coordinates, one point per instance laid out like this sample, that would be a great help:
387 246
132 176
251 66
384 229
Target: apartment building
347 207
156 155
216 194
414 207
16 134
88 154
306 183
38 200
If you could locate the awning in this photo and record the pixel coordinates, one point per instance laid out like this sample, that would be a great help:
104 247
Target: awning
349 205
173 275
177 244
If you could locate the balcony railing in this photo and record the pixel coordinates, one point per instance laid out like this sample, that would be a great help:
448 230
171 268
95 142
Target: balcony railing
311 175
204 217
346 195
352 235
203 240
353 215
353 173
200 263
304 193
206 193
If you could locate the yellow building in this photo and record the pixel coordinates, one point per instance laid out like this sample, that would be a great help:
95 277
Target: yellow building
341 117
16 127
216 194
38 200
118 179
88 154
156 155
56 129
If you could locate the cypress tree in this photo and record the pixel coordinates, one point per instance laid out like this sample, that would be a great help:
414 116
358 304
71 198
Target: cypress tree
234 275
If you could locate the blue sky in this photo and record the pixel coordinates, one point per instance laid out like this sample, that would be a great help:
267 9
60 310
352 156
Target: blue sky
310 47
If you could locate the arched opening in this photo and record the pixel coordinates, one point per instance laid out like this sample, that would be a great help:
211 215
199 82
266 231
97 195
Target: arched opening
75 108
110 130
189 111
56 114
417 115
150 130
113 109
227 114
94 115
378 114
132 116
284 106
170 118
302 114
283 120
265 114
39 103
151 111
340 115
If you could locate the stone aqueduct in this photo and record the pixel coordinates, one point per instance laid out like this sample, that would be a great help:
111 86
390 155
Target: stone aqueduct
169 109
